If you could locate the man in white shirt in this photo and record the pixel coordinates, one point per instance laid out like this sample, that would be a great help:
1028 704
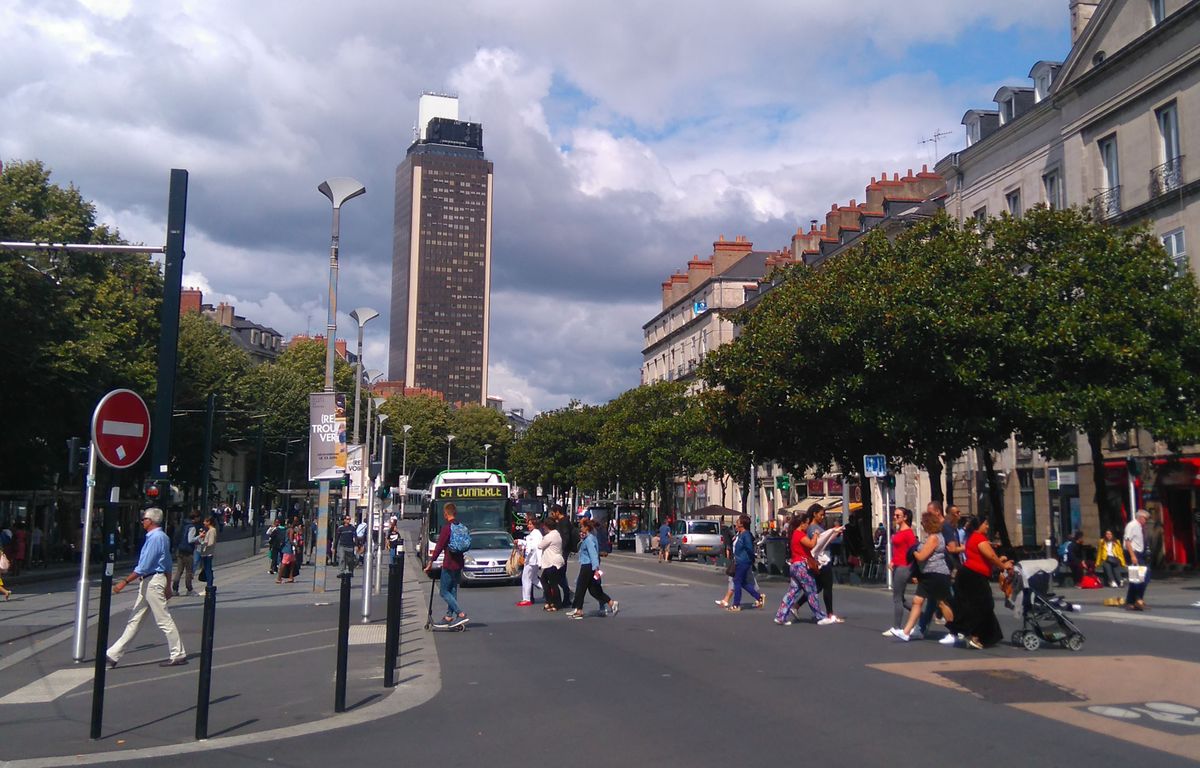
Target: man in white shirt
1137 550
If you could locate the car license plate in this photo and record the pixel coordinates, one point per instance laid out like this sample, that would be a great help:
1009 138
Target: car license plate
493 570
704 549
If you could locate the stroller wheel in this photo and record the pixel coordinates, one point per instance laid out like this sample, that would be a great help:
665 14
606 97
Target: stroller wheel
1018 637
1074 642
1031 641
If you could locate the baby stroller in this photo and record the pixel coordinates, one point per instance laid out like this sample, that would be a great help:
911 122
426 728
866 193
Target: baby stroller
1042 613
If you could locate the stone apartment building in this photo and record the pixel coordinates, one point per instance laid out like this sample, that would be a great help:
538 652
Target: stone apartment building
1114 126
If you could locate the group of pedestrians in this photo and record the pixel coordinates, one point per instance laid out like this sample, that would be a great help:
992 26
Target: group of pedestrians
546 548
810 568
952 568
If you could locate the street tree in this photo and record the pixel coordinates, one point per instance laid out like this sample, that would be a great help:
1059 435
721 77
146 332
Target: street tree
1112 335
554 449
474 426
430 420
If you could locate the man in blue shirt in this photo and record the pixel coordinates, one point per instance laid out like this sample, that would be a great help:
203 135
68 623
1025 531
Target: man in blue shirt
664 541
151 572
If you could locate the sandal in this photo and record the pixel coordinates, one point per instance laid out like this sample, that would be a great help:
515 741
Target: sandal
760 602
721 603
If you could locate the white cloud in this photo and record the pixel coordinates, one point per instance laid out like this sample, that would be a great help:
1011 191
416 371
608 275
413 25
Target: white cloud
624 141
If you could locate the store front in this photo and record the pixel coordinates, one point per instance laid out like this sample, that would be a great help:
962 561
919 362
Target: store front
1177 487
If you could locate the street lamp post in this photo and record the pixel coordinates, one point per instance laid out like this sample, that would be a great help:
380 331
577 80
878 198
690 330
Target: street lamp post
486 447
362 316
449 440
338 190
404 455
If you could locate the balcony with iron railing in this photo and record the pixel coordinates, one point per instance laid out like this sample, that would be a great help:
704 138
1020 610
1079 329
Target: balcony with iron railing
1107 203
1167 177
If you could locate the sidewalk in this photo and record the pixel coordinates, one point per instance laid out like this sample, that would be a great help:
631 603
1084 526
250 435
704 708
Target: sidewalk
273 670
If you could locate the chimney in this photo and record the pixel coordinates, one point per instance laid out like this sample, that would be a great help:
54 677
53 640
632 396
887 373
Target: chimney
1081 14
225 315
679 286
190 300
727 253
339 346
666 286
699 270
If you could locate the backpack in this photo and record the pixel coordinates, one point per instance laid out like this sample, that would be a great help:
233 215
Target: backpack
182 545
914 565
1064 552
460 538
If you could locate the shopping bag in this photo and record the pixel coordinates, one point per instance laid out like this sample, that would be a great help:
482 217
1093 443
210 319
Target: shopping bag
511 567
1137 574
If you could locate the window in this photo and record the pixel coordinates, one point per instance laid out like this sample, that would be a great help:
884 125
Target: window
1168 132
1012 201
1052 186
980 216
972 132
1158 11
1041 87
1108 161
1008 110
1177 249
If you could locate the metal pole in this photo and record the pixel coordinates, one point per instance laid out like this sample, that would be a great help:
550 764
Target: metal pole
330 332
1133 505
206 652
391 645
168 339
81 590
343 644
368 562
358 374
106 579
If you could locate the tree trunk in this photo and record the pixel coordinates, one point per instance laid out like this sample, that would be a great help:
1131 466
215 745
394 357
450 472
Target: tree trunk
1109 512
933 467
949 469
995 500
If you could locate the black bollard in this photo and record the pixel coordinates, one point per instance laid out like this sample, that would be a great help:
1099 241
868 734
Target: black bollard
106 582
391 646
206 652
343 644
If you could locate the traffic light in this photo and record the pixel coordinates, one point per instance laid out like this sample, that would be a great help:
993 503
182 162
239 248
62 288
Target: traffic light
891 481
1132 465
151 492
76 458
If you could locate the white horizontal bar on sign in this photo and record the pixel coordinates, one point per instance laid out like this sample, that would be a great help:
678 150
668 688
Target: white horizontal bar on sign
121 428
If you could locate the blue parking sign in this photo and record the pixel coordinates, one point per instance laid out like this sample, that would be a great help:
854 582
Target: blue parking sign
875 465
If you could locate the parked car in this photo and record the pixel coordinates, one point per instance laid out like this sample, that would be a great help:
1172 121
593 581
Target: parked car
486 559
694 538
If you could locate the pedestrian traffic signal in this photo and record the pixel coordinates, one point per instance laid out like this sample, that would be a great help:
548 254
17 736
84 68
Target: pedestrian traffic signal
151 492
891 481
76 458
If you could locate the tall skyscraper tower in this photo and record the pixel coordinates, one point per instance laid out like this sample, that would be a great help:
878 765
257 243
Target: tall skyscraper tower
442 257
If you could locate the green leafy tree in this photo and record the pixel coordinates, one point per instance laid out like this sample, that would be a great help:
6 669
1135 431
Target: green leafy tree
430 420
553 451
1112 335
474 426
76 324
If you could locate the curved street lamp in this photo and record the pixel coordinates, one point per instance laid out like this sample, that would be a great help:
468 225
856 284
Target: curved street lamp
486 447
449 439
362 316
338 189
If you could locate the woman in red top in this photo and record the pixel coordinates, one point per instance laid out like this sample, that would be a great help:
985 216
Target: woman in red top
903 539
803 566
975 607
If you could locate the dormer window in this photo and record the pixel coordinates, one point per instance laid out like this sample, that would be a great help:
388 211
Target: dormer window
1042 75
1008 110
1041 86
972 132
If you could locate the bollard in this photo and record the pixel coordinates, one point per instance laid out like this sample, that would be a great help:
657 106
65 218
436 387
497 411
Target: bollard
206 652
343 644
395 596
106 582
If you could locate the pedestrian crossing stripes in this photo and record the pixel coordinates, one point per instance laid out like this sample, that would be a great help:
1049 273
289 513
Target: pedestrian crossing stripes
50 687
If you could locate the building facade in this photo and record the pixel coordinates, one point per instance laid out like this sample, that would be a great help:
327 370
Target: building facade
1114 126
442 258
261 342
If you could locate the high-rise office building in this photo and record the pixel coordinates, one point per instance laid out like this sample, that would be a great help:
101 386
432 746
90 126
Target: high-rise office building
442 257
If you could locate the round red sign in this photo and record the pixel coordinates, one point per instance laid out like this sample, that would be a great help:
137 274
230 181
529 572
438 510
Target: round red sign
121 428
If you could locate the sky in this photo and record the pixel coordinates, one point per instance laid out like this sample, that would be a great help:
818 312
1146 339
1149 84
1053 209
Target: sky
626 138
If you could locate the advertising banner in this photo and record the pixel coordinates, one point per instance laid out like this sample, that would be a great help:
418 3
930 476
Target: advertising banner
357 472
327 436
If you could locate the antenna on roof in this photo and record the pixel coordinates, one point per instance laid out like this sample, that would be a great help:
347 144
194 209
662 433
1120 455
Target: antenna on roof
938 134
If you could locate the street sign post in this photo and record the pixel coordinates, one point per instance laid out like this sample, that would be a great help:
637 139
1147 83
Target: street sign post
120 436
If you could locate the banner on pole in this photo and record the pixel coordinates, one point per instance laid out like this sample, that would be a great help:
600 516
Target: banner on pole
356 470
327 436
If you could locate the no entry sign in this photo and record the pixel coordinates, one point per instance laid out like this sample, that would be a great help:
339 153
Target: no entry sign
121 428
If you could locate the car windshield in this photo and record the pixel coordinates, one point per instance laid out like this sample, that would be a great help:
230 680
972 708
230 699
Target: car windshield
491 540
705 526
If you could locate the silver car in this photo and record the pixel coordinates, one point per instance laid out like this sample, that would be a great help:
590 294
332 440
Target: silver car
486 560
695 538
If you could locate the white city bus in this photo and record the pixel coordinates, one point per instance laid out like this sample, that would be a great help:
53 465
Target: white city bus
481 497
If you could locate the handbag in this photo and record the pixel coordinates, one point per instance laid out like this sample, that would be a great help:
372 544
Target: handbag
512 567
1137 574
4 563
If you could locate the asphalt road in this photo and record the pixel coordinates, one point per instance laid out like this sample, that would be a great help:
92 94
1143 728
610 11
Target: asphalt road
672 680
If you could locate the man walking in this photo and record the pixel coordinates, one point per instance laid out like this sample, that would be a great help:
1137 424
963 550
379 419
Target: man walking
452 565
185 545
664 541
153 590
1137 547
347 545
275 537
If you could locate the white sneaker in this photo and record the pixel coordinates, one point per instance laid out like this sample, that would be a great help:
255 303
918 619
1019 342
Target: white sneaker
948 639
916 634
888 632
826 621
900 634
